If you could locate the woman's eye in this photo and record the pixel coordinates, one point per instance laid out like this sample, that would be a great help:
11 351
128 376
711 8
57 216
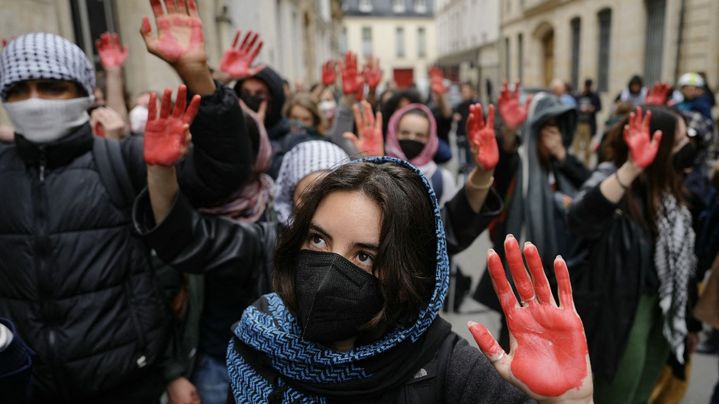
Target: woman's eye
365 259
317 241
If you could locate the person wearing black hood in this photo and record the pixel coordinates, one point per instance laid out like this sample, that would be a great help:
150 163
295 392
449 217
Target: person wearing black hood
265 86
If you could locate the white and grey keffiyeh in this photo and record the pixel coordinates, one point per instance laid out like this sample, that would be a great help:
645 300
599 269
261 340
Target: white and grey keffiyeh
675 263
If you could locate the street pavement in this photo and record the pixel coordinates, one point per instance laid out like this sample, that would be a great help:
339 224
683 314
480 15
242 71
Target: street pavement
704 373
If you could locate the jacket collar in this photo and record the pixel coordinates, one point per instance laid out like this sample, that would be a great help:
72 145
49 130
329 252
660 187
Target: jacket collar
57 153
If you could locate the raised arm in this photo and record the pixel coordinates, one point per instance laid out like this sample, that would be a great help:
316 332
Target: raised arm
113 56
220 159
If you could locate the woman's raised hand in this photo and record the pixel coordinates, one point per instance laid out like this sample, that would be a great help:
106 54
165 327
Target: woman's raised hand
512 112
658 94
237 61
642 148
167 136
548 358
112 54
329 73
369 141
482 139
180 39
352 81
372 73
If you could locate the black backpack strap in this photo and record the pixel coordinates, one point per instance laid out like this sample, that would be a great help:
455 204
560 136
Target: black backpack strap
114 172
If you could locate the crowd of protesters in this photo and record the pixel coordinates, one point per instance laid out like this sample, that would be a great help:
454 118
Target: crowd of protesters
246 242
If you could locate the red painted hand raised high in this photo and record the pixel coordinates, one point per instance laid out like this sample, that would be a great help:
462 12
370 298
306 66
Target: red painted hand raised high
513 114
369 141
549 356
352 83
329 74
642 149
436 78
658 94
372 73
482 139
111 54
237 61
180 38
167 136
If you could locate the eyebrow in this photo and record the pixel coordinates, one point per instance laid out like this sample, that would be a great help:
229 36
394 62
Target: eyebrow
324 233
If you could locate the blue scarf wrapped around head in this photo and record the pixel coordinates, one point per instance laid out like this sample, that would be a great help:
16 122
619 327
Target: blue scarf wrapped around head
268 330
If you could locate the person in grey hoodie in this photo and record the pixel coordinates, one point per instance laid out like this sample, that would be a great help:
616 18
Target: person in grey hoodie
546 179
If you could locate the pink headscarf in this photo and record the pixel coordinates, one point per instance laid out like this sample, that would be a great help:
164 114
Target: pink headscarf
249 203
424 160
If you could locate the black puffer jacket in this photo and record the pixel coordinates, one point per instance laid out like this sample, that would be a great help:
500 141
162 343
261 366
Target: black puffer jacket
74 277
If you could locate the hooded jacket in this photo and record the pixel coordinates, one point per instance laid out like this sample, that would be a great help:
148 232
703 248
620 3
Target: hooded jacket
268 361
277 126
74 277
534 209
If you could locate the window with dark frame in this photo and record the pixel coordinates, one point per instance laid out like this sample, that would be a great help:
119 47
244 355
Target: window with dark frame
576 27
399 42
654 51
520 57
605 28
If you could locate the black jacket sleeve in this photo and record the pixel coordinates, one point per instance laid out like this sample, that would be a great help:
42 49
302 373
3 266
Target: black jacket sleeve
590 210
471 379
574 170
15 367
462 225
220 158
191 242
505 171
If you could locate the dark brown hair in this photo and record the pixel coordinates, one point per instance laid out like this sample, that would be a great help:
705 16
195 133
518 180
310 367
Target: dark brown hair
406 259
644 196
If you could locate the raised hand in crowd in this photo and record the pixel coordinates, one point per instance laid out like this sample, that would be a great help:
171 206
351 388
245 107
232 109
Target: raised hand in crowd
180 42
642 147
112 57
329 73
658 94
182 391
513 114
237 61
642 151
352 81
548 357
167 135
372 73
436 79
369 140
106 122
112 54
482 139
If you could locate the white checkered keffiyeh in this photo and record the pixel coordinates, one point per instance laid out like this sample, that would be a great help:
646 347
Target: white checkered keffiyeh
42 55
302 160
675 262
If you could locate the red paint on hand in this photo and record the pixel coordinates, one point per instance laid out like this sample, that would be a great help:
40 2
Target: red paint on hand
351 82
372 73
180 38
482 139
167 135
329 73
111 53
237 61
512 112
370 141
550 357
658 94
436 79
642 148
485 340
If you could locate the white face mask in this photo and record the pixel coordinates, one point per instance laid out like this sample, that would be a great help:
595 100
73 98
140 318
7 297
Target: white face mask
43 121
138 119
328 107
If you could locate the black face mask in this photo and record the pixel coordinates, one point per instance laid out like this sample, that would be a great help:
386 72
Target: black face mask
685 157
252 101
411 148
334 297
